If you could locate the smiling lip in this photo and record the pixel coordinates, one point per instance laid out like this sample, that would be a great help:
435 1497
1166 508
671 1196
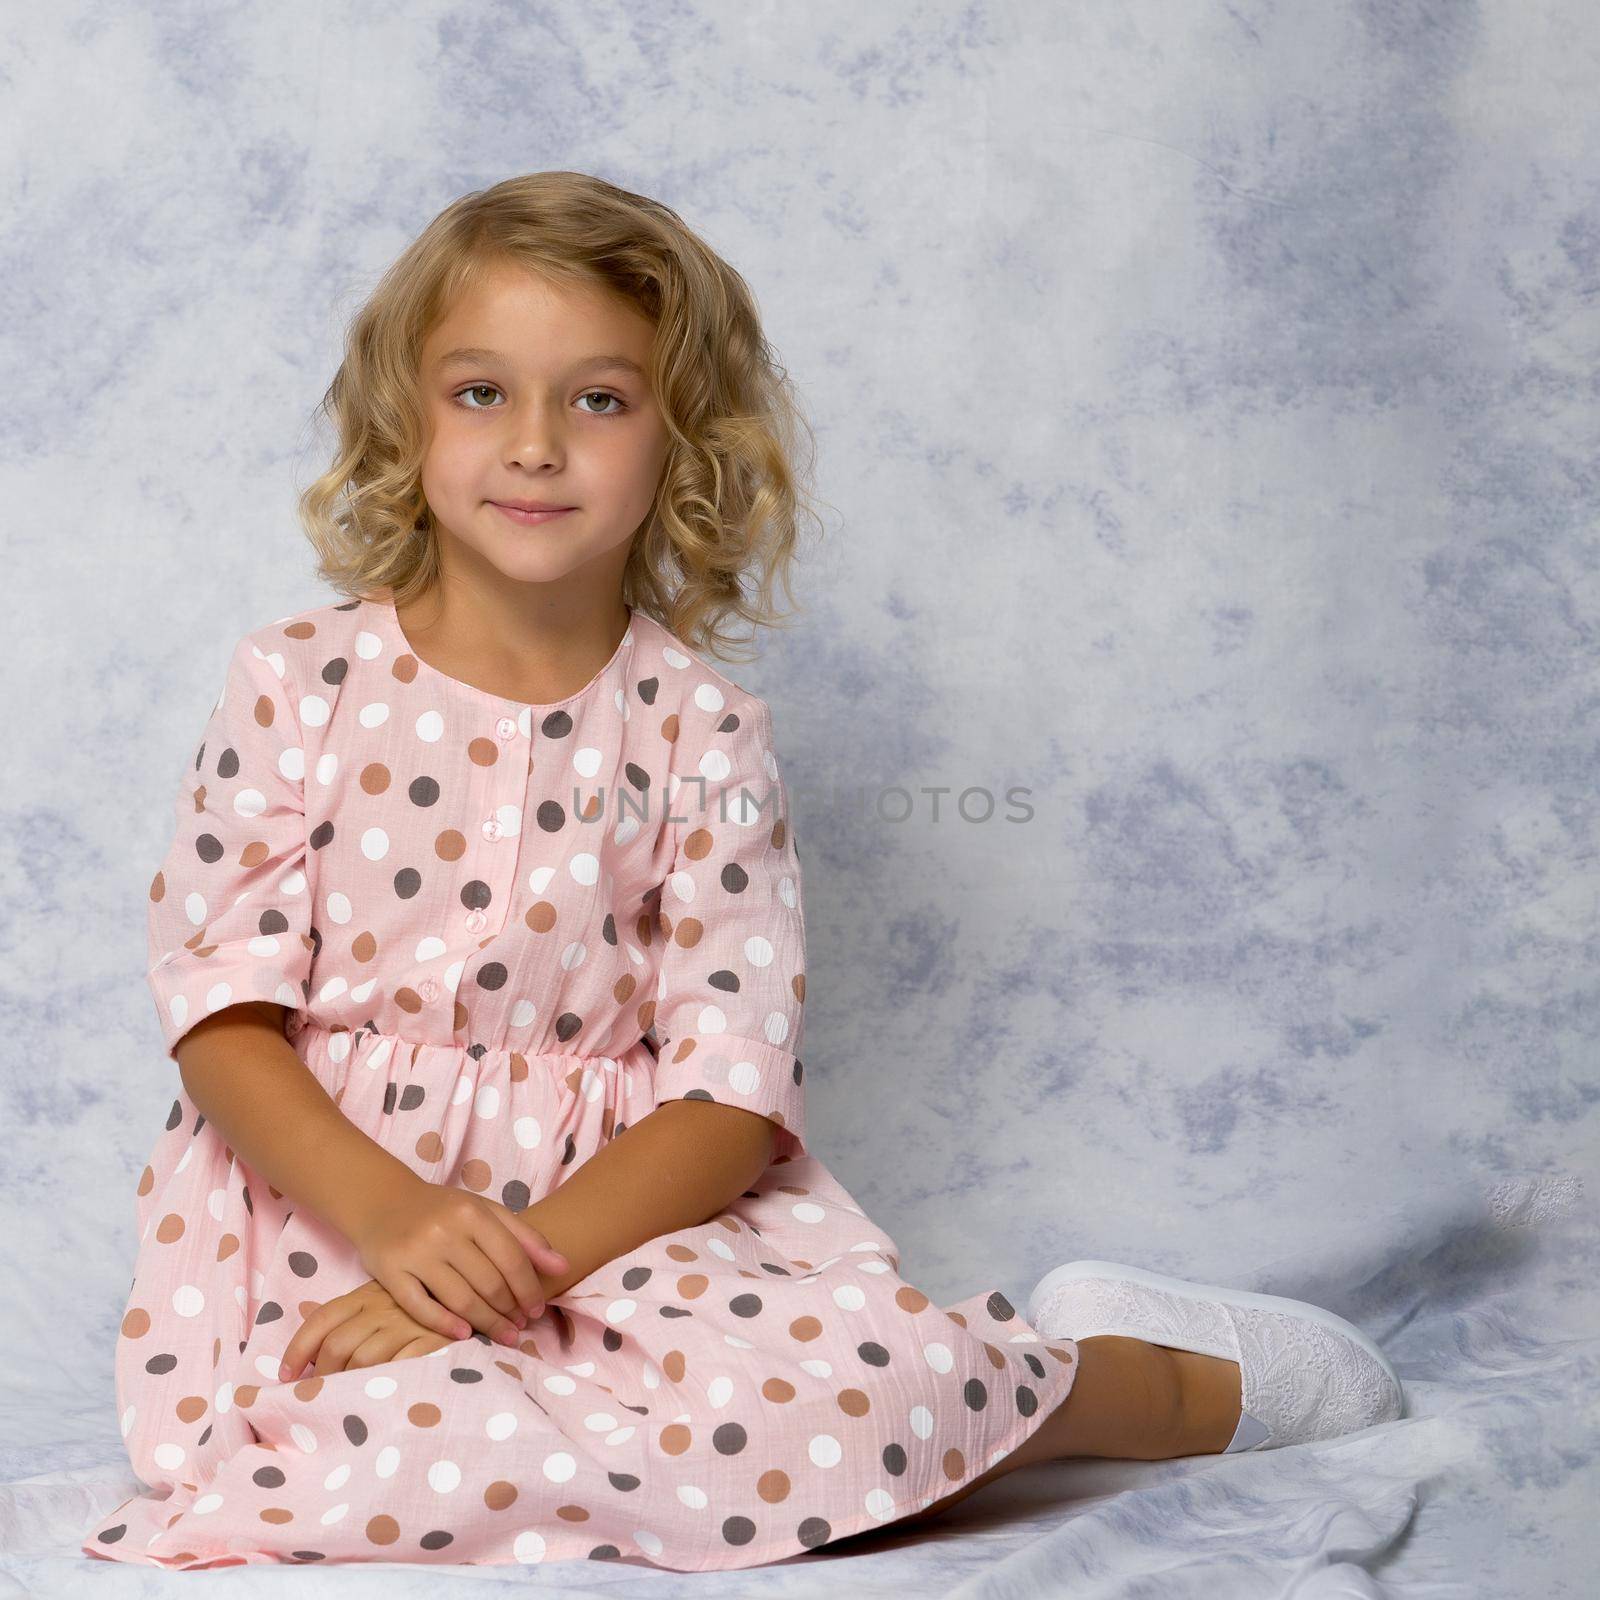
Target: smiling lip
538 514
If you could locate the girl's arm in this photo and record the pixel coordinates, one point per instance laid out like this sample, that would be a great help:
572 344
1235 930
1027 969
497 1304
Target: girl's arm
676 1168
247 1079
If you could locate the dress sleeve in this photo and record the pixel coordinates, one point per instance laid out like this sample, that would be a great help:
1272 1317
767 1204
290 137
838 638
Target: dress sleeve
230 909
733 970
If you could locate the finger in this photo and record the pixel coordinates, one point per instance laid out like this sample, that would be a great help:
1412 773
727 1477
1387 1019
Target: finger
379 1346
303 1347
506 1256
451 1284
543 1255
334 1356
412 1296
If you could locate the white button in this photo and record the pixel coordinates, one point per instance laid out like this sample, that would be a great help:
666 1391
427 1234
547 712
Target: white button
476 921
492 828
506 727
430 990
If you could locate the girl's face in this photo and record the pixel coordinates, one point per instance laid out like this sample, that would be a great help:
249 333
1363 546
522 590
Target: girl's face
530 397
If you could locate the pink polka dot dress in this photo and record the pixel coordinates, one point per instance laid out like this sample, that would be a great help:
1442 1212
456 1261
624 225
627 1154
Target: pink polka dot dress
507 932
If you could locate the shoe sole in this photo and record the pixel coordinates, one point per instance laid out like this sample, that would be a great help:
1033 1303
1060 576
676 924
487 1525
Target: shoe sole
1179 1287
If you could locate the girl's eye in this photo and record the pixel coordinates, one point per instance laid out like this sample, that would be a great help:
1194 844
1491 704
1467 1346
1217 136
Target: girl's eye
591 394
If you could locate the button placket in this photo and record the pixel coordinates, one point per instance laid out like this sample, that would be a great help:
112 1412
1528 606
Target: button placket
507 729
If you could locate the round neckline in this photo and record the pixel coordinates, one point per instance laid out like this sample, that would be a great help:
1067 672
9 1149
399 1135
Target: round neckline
392 617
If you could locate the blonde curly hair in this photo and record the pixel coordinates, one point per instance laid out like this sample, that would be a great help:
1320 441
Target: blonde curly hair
724 524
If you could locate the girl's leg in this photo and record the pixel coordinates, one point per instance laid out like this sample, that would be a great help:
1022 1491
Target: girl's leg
1131 1401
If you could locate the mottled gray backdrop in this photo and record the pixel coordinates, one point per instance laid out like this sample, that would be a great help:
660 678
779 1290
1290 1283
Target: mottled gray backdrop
1205 399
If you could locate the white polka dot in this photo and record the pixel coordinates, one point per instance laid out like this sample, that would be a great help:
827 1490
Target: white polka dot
368 645
712 1019
206 1504
429 949
539 879
430 727
292 763
776 1027
304 1438
824 1450
527 1132
719 1392
334 1514
620 1310
510 819
879 1504
528 1546
585 868
921 1421
169 1457
695 1499
249 802
487 1101
501 1425
523 1012
374 844
586 762
337 1479
314 711
939 1356
327 766
849 1297
559 1383
708 697
744 1077
443 1476
373 715
599 1422
178 1010
339 908
674 658
560 1467
218 996
807 1211
379 1388
387 1462
715 767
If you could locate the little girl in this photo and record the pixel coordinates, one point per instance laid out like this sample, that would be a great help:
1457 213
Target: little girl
484 1227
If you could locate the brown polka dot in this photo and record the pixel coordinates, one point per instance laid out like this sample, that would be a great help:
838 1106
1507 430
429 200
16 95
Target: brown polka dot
909 1299
500 1494
805 1329
673 1365
404 668
408 1000
685 1048
246 1393
622 989
956 1317
686 935
424 1414
430 1147
476 1175
853 1402
698 844
300 630
540 916
136 1324
254 853
692 1285
169 1228
363 947
798 984
304 1388
669 728
375 777
483 752
778 1390
955 1464
158 888
147 1181
592 807
383 1530
996 1356
227 1245
572 1513
451 845
675 1439
773 1486
265 711
191 1408
276 1514
517 1067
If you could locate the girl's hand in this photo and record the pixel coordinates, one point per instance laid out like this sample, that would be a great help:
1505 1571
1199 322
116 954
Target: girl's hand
363 1328
439 1250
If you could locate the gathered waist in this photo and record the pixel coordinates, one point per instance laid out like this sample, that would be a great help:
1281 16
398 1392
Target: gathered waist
376 1047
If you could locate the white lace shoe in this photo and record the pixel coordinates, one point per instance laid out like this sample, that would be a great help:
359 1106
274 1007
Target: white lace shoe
1304 1374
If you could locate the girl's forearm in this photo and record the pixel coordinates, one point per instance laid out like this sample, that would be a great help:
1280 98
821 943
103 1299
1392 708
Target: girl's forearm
248 1080
676 1168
